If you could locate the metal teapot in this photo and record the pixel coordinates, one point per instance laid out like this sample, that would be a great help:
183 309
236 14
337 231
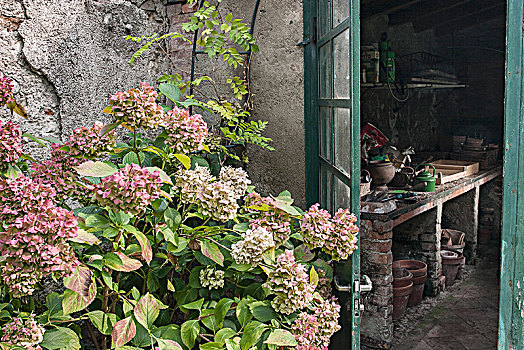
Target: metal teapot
424 177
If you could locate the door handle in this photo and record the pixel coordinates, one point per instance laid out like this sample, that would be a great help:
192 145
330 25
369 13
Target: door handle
364 287
367 286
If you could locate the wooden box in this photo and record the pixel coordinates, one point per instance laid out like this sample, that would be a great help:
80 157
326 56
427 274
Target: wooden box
452 170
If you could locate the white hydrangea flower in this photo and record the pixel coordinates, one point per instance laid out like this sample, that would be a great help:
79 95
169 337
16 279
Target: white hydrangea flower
236 178
191 182
253 244
212 278
219 201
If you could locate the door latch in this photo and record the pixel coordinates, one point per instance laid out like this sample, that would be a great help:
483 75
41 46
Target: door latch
365 287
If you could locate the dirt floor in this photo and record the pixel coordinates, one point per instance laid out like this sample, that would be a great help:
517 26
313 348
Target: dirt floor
465 316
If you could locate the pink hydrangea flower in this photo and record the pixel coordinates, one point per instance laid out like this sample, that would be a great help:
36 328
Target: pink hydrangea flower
324 285
130 190
88 143
316 226
343 239
59 173
34 240
289 281
185 133
137 108
314 331
10 143
337 235
273 219
26 334
6 90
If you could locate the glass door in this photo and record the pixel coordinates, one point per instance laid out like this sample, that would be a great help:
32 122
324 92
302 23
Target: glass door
332 117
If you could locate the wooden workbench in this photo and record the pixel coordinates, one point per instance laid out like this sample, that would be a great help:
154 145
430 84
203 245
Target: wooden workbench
412 231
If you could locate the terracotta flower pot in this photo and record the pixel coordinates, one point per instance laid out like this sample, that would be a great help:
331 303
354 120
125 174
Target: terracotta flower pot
419 270
401 277
451 262
418 290
400 300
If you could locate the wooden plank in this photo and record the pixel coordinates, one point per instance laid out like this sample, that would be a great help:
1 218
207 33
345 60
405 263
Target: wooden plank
426 8
471 20
384 7
456 14
445 176
512 128
465 185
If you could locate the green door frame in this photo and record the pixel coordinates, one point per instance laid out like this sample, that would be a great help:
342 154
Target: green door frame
511 309
312 134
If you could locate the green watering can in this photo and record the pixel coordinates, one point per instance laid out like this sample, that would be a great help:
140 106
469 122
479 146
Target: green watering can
424 181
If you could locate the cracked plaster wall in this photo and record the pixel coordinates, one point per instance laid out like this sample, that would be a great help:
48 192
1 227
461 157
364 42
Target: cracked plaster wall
277 83
66 57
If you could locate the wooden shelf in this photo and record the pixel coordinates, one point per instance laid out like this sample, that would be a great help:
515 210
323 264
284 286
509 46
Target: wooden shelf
414 86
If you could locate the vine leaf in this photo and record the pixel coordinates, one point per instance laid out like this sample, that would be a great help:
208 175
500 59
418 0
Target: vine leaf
95 169
147 310
85 237
102 321
123 332
189 331
211 250
74 302
60 338
80 281
145 245
281 337
128 264
165 344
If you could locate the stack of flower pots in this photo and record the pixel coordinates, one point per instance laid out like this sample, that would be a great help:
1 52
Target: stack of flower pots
409 278
453 240
402 289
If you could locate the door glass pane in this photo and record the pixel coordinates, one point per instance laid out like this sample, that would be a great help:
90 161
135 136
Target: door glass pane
340 11
324 63
341 65
324 17
326 199
342 194
342 140
326 133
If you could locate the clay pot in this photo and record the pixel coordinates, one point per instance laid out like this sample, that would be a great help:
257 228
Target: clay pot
460 271
400 300
382 172
416 267
451 262
401 277
453 240
418 290
419 270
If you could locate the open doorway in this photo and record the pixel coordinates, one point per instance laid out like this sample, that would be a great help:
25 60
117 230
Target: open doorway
432 82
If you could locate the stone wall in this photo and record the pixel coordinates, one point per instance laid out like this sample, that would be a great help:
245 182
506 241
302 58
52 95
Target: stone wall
67 57
277 84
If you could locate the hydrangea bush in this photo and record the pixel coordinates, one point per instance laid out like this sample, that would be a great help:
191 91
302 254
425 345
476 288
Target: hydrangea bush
164 249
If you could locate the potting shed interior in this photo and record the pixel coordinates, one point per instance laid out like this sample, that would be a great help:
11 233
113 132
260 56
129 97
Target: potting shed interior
431 99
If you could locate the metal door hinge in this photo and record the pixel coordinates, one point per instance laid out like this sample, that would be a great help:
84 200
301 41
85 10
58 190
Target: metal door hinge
304 42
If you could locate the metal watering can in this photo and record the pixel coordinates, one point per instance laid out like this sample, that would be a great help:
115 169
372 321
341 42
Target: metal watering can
424 181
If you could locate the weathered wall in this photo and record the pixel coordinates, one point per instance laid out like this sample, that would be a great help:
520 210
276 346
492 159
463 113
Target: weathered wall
277 85
67 57
477 56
